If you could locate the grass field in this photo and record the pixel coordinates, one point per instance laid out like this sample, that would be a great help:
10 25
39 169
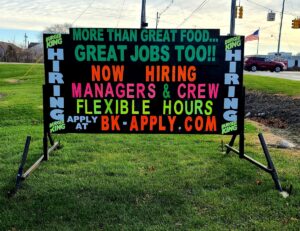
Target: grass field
135 182
273 85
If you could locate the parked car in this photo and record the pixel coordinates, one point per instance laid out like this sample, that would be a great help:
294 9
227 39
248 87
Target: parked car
263 64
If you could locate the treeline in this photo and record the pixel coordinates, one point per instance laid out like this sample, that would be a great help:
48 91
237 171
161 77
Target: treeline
12 53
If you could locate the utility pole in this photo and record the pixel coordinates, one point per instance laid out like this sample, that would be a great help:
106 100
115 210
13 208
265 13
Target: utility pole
25 40
279 37
257 43
157 19
232 17
143 15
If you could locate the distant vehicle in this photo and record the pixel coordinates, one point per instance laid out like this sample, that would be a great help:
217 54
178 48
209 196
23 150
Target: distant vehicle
263 64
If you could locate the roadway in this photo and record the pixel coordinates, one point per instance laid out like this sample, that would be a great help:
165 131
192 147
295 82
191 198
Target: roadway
292 75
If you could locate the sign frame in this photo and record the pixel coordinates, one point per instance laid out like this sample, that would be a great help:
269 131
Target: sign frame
233 43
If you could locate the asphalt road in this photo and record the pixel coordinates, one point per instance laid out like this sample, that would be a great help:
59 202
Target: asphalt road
292 75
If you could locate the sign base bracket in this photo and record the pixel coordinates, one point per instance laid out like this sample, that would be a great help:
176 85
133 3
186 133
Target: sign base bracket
270 168
22 176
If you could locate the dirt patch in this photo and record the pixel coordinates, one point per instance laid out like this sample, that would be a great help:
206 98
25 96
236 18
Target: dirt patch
13 80
2 95
268 132
281 113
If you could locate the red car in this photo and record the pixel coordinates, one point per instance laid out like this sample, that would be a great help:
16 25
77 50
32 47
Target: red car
263 64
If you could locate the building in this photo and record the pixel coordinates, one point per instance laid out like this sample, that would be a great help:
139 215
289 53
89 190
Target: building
9 52
293 61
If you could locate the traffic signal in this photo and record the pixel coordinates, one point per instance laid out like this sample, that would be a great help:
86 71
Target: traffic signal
293 23
296 23
236 11
241 12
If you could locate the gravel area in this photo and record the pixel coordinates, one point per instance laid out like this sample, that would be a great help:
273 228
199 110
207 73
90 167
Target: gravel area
282 113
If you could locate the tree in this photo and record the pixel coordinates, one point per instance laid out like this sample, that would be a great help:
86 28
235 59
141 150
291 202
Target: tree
58 29
10 54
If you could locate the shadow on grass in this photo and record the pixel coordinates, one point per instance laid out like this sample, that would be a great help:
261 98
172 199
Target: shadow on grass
112 199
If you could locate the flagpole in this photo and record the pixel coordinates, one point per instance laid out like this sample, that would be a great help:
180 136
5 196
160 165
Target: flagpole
258 41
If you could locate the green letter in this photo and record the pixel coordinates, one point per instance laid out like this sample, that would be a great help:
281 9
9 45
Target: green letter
76 34
80 53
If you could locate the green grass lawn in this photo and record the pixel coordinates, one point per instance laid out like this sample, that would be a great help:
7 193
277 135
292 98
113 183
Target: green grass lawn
273 85
134 182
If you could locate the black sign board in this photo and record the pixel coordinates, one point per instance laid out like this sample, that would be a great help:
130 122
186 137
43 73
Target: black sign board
105 80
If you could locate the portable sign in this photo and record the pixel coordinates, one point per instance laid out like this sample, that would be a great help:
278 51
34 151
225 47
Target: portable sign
105 80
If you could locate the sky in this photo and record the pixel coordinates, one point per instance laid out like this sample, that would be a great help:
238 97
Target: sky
18 17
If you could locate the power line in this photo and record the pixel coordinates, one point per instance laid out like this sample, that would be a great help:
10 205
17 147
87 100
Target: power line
265 7
193 12
164 21
255 3
168 6
120 14
158 4
83 12
163 11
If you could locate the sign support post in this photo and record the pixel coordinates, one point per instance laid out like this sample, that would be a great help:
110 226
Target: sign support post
270 168
45 139
46 149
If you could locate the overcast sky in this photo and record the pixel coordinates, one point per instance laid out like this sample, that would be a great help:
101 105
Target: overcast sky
36 15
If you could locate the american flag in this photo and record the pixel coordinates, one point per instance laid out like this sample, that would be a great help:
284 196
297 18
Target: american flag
254 36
